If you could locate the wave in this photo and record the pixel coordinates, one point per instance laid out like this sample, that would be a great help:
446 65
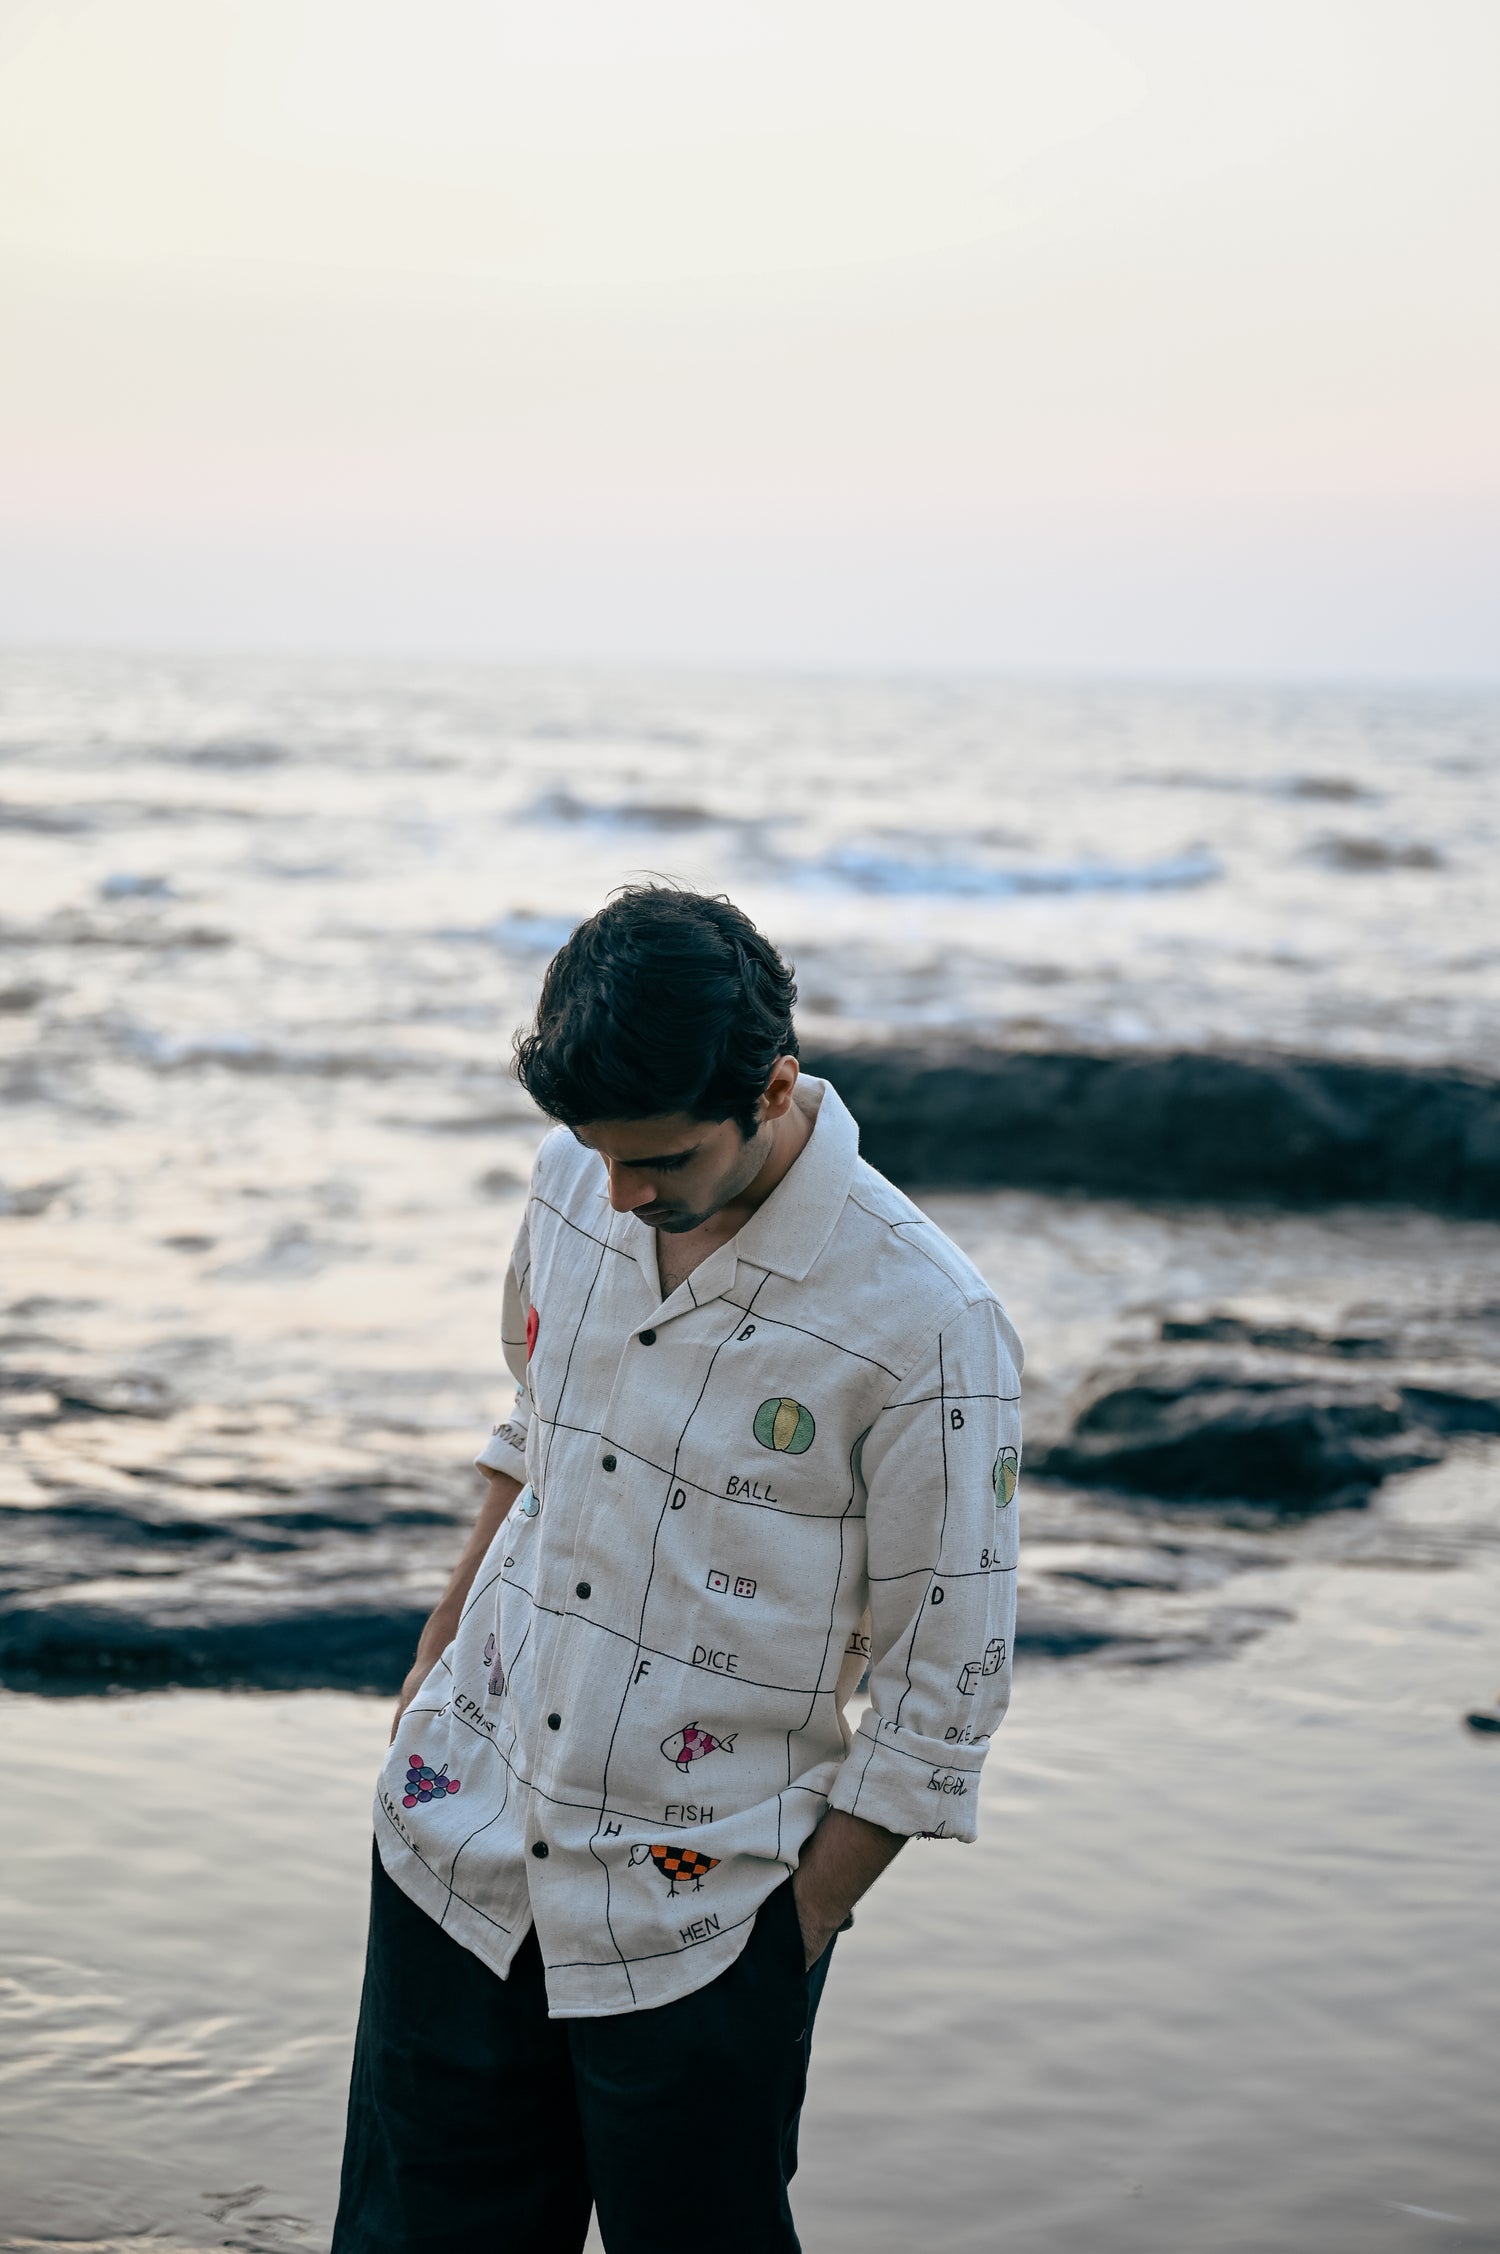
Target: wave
873 869
252 1052
125 885
85 819
1330 789
67 928
601 729
523 933
45 821
232 753
664 815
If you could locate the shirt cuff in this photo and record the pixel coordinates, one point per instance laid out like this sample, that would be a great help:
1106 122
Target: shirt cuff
505 1450
908 1784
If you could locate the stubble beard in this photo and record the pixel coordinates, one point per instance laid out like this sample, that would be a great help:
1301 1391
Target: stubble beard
679 1224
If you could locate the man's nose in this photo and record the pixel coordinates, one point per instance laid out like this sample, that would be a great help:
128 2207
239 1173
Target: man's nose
627 1191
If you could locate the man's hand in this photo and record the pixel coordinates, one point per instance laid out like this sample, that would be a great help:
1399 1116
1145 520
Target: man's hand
500 1492
841 1861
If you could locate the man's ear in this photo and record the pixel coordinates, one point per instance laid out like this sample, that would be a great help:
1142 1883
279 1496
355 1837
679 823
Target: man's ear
777 1100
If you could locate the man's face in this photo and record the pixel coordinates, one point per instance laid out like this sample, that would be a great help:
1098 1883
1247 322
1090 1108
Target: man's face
674 1172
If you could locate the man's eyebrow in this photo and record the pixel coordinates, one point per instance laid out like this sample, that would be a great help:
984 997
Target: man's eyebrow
667 1158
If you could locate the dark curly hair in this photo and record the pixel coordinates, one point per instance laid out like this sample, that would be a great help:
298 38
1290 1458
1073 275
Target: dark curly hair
665 1001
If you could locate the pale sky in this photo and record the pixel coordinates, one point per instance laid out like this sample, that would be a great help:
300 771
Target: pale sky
1141 335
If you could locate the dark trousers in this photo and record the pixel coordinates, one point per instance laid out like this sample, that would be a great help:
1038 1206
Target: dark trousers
477 2125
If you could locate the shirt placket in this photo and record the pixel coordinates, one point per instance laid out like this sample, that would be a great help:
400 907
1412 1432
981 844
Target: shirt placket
605 1492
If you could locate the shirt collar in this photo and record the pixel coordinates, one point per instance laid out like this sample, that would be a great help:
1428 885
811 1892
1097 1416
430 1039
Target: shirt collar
788 1232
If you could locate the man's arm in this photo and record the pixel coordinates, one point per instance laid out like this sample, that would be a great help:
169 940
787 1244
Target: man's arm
500 1492
841 1861
940 1468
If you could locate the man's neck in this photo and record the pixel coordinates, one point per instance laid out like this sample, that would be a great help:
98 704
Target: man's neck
678 1256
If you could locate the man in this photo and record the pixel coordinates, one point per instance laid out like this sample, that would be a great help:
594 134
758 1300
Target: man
766 1438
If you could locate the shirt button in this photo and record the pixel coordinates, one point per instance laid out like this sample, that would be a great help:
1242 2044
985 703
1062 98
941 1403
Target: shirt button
648 1338
554 1721
585 1589
539 1849
609 1463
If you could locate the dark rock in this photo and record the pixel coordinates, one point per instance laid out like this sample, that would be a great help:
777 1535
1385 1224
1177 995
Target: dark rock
1484 1724
29 1199
1331 788
1285 1338
1361 855
125 1396
1200 1434
1174 1124
1051 1632
60 1641
1453 1408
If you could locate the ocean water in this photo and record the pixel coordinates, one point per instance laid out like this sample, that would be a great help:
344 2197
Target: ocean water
1220 1973
356 874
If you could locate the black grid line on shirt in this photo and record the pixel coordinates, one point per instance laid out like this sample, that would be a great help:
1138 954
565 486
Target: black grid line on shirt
432 1874
804 1331
476 1833
683 1478
578 1228
923 1608
916 1400
521 1282
476 1593
833 1601
970 1298
932 1570
645 1600
647 1956
577 1332
864 1770
813 1693
654 1651
555 1800
968 1573
968 1768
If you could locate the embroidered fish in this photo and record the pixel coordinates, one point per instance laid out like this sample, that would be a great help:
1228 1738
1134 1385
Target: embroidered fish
424 1783
685 1747
675 1863
492 1660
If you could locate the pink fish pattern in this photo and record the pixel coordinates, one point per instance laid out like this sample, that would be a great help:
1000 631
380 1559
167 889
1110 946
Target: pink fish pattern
684 1747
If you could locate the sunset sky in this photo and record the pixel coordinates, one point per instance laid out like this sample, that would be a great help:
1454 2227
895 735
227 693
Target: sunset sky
1142 335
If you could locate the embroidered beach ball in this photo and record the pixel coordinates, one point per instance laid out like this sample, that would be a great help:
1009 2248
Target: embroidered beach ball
785 1426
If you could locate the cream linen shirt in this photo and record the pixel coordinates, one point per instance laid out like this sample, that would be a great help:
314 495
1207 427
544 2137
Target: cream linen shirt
800 1465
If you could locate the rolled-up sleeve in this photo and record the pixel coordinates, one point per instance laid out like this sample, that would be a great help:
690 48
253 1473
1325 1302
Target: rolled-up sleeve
939 1466
505 1450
